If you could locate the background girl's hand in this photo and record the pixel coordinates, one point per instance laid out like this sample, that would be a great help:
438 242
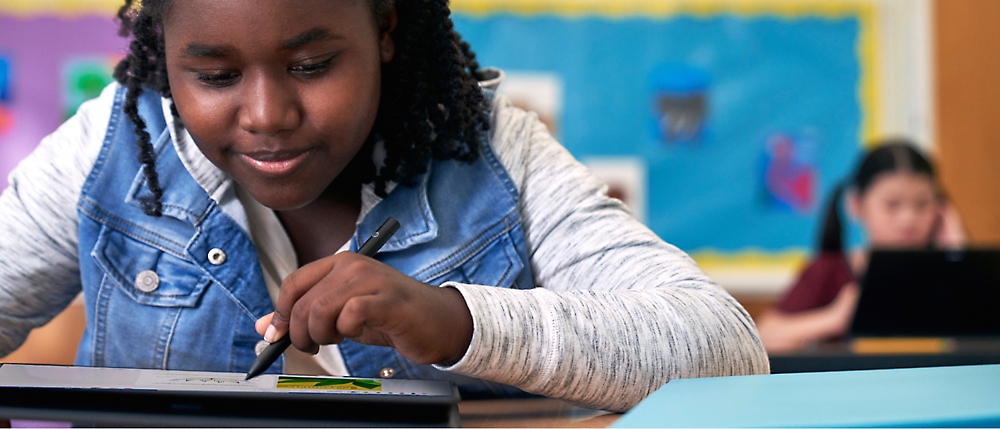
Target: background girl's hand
843 306
788 332
352 296
949 233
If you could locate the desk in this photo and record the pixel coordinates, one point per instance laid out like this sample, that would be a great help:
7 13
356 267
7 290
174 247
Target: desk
532 412
840 356
963 396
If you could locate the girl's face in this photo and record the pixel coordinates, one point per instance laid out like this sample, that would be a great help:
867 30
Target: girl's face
898 210
280 95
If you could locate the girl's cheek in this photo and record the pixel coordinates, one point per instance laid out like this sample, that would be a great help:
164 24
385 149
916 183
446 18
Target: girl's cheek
893 231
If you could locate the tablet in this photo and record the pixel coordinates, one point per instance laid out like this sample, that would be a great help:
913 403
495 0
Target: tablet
142 397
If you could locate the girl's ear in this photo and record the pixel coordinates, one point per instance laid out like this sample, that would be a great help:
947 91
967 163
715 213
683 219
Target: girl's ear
387 46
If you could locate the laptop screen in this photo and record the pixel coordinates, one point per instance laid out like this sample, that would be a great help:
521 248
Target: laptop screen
930 293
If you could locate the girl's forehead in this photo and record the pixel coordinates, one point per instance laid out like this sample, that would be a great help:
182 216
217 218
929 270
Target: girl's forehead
901 182
240 18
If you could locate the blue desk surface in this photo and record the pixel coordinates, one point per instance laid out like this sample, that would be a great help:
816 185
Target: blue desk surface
941 396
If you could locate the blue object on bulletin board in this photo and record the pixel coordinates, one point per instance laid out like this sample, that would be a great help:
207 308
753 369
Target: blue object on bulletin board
4 79
745 119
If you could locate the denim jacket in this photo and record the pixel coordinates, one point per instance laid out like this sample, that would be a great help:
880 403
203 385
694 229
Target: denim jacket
182 291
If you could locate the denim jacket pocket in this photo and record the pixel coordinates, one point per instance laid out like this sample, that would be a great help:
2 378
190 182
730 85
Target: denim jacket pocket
495 264
147 274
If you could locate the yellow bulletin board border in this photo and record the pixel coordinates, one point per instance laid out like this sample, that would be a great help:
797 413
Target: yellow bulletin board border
62 8
788 261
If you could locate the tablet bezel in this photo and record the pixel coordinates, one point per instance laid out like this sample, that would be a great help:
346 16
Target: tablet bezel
126 407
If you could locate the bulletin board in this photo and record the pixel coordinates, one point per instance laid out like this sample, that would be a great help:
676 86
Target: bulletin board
737 118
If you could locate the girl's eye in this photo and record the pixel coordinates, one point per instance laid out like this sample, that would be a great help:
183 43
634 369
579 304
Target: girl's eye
312 69
222 79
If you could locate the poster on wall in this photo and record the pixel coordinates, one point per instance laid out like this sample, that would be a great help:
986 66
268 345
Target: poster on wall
740 115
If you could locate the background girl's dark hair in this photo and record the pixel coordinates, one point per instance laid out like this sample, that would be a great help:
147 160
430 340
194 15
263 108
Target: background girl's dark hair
431 105
892 155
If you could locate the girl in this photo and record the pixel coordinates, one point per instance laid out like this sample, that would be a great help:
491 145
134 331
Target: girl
247 145
894 196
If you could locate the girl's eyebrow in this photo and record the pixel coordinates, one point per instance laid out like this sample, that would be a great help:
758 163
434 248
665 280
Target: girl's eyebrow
196 50
314 35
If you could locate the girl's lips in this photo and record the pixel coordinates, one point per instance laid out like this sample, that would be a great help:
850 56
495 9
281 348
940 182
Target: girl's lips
275 163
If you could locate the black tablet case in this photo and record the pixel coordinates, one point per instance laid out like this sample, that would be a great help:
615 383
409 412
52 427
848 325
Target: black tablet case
164 408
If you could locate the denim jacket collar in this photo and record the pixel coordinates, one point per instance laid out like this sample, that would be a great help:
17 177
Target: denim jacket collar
180 200
409 205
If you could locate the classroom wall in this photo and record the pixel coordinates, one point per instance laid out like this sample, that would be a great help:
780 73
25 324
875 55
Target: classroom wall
968 111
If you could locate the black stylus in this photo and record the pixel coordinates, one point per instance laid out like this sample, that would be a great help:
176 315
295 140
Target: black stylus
270 354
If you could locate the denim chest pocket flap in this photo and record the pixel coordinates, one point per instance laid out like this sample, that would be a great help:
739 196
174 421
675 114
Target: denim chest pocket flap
147 274
494 264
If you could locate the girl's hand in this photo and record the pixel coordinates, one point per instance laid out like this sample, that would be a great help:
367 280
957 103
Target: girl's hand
843 306
352 296
789 332
948 233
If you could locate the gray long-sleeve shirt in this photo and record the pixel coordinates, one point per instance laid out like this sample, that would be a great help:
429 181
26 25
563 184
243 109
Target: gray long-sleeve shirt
618 312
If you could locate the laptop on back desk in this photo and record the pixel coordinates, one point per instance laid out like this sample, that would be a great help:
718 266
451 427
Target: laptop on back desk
930 293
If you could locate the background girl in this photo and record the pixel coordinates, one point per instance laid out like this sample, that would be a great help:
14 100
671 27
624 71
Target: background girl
894 196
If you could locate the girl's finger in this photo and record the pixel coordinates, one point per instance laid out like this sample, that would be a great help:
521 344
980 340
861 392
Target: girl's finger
324 311
298 324
297 284
312 319
360 312
261 324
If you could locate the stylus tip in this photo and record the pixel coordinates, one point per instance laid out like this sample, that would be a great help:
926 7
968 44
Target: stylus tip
252 373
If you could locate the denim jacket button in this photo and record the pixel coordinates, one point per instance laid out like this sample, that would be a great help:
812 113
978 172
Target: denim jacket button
387 372
260 346
147 281
216 256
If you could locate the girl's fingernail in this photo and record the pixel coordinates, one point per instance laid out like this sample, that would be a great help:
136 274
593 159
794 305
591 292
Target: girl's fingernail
271 335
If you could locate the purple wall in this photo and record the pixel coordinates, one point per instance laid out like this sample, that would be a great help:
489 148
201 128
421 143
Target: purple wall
36 50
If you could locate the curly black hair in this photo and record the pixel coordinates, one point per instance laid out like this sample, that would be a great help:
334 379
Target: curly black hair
431 104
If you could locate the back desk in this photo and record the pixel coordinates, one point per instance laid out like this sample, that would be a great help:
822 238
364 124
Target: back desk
887 353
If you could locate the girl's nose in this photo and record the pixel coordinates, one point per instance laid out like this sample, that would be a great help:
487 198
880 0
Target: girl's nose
269 107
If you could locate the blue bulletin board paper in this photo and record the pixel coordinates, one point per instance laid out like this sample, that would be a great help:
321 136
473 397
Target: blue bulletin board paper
746 114
966 396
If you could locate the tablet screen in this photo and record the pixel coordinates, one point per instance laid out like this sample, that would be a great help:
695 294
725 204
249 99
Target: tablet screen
75 377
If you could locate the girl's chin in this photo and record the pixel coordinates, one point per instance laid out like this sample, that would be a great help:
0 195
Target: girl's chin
278 194
282 201
902 245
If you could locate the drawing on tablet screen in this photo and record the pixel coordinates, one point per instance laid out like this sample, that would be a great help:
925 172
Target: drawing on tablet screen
200 381
215 381
328 383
